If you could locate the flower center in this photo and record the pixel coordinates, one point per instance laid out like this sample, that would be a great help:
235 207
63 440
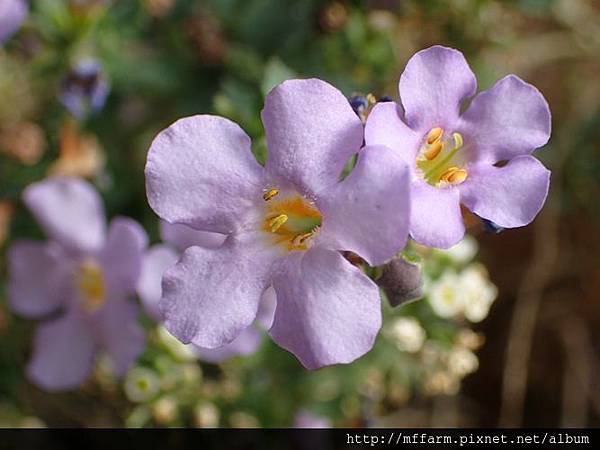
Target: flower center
439 161
90 282
291 219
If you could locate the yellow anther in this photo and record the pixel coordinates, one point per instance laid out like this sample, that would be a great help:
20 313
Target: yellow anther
371 99
276 222
458 140
270 194
300 239
454 175
434 135
434 150
91 286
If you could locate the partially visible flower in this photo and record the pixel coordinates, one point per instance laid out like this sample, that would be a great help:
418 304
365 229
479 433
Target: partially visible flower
12 15
85 272
307 419
462 361
241 419
84 89
158 8
441 382
464 251
286 224
165 410
478 293
480 158
24 141
469 339
206 415
80 154
159 258
402 280
445 296
141 384
407 333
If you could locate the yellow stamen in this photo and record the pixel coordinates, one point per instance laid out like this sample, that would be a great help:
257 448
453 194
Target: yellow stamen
434 135
276 222
458 140
371 99
434 150
300 239
454 175
91 285
270 194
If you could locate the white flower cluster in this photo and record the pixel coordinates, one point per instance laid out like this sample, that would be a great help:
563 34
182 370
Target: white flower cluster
468 293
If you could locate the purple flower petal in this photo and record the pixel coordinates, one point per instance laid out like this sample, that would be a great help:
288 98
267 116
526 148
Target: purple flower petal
182 236
435 220
201 172
38 278
306 419
63 353
510 196
434 84
120 334
511 118
12 15
367 217
266 309
328 311
122 255
311 133
245 344
70 211
210 296
385 127
156 260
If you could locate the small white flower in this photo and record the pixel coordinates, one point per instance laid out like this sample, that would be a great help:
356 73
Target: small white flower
478 293
206 415
141 384
165 411
407 333
464 251
462 361
445 296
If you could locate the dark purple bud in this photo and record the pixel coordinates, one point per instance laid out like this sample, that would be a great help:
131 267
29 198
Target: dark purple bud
84 89
402 281
385 98
359 104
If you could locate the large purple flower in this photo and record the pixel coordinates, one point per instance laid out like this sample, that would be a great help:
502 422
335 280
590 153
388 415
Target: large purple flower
79 281
285 224
12 15
160 257
480 158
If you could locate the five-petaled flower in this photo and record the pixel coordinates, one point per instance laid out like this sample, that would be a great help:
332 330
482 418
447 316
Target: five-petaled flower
285 224
480 158
79 283
160 257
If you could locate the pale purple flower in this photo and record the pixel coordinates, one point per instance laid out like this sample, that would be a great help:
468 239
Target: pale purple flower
12 15
162 256
480 158
285 224
307 419
85 88
79 282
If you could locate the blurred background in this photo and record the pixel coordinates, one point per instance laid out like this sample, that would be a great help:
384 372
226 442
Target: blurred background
84 87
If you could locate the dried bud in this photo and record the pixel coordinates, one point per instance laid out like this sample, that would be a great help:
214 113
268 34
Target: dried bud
24 141
81 155
207 37
402 281
333 16
158 8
